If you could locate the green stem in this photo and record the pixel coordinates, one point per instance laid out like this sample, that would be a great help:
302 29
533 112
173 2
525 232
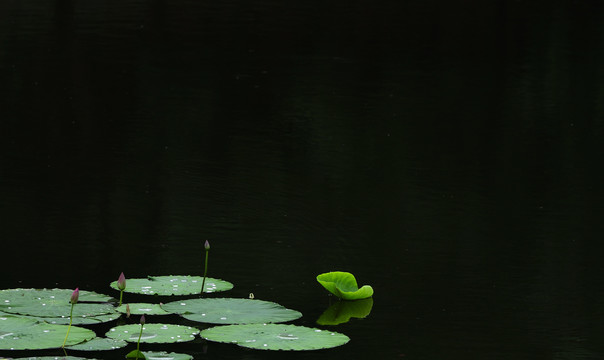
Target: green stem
69 327
138 343
121 294
205 273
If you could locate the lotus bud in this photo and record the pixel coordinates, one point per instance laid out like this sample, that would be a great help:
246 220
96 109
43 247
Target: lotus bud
127 310
74 296
121 282
206 245
143 319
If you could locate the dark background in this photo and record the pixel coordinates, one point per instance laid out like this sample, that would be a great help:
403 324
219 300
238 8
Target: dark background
447 153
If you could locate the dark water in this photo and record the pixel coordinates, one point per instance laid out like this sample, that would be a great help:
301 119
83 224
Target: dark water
448 154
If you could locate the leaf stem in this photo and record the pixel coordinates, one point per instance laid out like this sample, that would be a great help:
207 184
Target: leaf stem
205 273
69 327
138 343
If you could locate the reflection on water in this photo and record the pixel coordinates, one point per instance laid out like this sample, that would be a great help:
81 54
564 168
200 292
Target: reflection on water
448 155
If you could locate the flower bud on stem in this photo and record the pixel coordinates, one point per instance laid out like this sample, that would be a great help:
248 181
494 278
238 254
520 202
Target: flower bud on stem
205 271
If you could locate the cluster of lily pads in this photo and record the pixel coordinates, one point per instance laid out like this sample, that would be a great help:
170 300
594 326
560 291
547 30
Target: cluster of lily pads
35 319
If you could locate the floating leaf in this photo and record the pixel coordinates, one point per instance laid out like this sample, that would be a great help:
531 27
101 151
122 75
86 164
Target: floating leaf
20 333
153 333
135 354
143 308
231 311
341 311
275 337
98 343
54 303
173 285
162 355
344 285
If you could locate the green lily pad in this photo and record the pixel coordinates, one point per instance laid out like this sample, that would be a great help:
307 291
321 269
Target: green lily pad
20 333
231 311
142 308
275 337
344 285
136 354
153 333
54 303
98 344
79 320
64 320
173 285
341 311
162 355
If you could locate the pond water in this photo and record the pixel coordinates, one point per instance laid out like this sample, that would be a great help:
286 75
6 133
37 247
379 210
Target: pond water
449 155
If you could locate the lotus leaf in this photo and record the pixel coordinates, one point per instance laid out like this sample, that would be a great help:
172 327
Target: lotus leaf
162 355
98 344
153 333
54 303
173 285
341 311
143 308
344 285
231 311
20 333
275 337
79 320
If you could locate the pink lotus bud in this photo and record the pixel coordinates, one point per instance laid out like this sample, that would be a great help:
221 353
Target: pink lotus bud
74 296
127 310
121 282
206 245
143 319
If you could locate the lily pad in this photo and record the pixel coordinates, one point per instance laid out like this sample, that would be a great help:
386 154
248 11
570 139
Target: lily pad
231 311
173 285
344 285
79 320
153 333
54 303
98 344
341 311
162 355
143 308
20 333
275 337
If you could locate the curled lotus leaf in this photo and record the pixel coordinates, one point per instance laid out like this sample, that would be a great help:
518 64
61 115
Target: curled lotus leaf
341 311
344 285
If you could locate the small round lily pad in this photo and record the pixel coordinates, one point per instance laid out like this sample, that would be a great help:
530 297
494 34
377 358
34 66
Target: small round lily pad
173 285
275 337
162 355
142 309
231 311
153 333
